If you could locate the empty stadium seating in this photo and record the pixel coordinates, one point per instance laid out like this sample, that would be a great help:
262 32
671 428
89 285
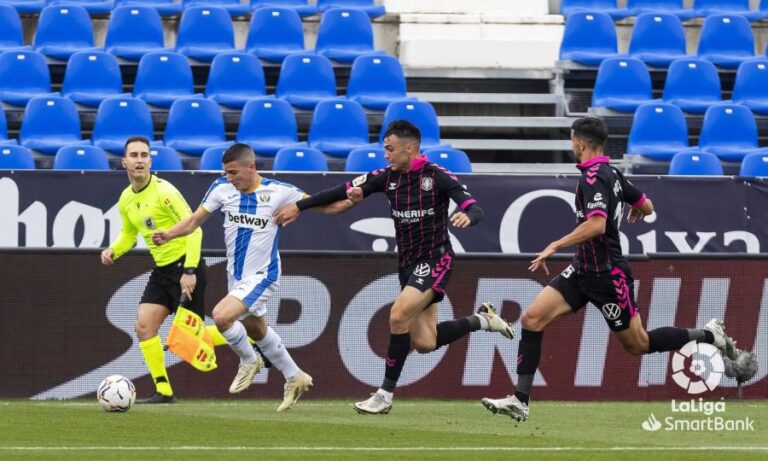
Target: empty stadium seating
751 86
49 123
695 163
164 159
658 131
693 85
368 6
622 84
365 159
306 79
134 31
728 131
233 7
569 7
753 164
726 40
80 158
91 6
676 7
338 126
302 7
376 80
118 119
10 28
657 39
275 33
211 158
345 34
91 77
162 78
63 30
234 79
194 124
268 125
16 158
300 159
588 38
453 160
421 114
24 74
204 32
164 7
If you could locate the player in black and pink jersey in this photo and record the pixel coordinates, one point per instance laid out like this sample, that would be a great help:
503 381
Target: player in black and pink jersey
419 193
598 273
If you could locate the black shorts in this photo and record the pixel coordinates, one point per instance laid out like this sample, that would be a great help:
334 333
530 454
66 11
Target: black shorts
613 294
164 288
428 273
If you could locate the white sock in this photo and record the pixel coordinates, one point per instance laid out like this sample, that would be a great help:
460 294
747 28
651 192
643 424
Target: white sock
388 396
484 323
272 347
237 338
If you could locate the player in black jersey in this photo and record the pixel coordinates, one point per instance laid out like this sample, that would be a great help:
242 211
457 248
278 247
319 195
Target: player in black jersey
419 192
598 273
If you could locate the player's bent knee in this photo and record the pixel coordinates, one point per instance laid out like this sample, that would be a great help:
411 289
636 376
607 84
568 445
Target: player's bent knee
223 319
145 331
635 348
424 347
531 322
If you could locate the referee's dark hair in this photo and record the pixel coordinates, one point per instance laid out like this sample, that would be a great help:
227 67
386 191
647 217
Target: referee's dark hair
592 130
142 139
403 129
238 152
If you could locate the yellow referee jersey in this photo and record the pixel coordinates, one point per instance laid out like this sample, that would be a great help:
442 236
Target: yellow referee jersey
156 207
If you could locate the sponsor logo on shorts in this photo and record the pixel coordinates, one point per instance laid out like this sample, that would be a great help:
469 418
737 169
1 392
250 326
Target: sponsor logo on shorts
422 270
611 311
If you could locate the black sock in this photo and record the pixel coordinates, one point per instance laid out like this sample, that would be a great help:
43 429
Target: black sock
528 357
267 363
667 339
450 331
399 347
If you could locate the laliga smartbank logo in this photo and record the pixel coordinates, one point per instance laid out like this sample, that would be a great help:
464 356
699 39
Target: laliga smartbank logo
703 373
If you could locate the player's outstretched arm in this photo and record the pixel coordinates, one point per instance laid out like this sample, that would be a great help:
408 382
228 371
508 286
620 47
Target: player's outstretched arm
589 229
184 227
638 213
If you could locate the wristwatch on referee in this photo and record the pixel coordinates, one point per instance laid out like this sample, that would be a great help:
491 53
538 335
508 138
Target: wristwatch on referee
190 270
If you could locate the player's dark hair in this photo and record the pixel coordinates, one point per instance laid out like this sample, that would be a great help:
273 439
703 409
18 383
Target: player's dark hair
238 152
142 139
403 129
592 130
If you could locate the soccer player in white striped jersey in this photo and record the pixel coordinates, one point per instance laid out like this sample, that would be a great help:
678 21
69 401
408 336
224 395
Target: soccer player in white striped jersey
247 202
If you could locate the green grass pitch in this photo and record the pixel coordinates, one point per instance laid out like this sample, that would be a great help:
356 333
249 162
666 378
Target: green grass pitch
331 430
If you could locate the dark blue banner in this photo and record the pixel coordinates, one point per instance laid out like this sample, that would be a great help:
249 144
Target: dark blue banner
522 213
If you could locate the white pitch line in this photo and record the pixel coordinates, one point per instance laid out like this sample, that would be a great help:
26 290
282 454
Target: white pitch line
384 449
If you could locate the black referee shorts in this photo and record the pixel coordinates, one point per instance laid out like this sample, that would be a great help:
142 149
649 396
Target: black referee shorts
164 287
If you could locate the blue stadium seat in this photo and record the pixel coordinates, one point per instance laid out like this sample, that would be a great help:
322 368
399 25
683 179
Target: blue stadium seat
706 8
453 160
63 30
134 31
376 80
10 28
211 158
204 32
622 84
751 86
91 77
194 124
233 7
91 6
658 131
234 79
657 39
365 159
32 65
695 163
753 164
345 34
80 158
676 7
569 7
118 119
162 78
762 12
164 7
275 33
306 79
421 114
268 125
16 158
371 9
299 6
588 39
693 85
726 40
26 6
49 123
300 159
338 126
728 131
165 159
4 130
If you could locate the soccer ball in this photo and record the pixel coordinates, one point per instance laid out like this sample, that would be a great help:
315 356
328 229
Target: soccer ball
116 393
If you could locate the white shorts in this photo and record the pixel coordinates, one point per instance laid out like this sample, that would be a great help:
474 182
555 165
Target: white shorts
254 291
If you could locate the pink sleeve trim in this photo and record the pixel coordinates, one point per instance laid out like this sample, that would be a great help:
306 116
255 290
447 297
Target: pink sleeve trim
467 203
349 185
600 212
639 202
